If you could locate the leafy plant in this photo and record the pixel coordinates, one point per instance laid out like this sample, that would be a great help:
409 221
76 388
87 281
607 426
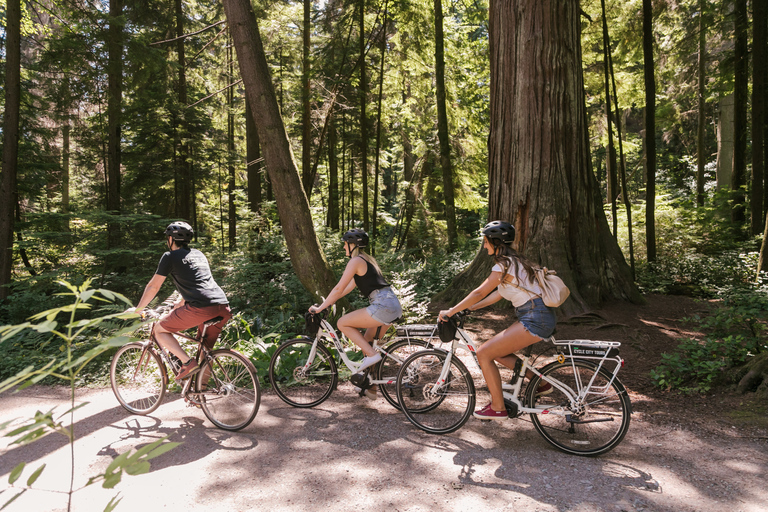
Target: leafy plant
736 331
67 367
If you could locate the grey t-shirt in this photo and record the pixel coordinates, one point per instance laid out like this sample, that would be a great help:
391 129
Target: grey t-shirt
191 274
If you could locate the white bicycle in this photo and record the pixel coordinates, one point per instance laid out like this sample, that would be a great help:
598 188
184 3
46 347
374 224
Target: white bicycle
304 373
587 413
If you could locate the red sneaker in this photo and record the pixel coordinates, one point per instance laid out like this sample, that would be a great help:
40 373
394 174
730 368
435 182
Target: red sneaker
187 370
487 413
545 389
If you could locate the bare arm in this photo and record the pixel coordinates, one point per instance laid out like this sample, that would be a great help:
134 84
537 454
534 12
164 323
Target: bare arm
153 286
476 296
493 298
345 285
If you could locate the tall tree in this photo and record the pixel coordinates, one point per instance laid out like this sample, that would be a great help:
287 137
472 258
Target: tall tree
611 165
363 95
759 72
740 77
442 128
231 182
306 146
183 169
307 257
114 110
252 160
701 159
539 167
649 140
10 140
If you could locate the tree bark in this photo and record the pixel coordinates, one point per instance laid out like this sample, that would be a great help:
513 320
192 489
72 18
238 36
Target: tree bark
539 167
649 74
442 128
306 132
114 109
333 177
183 168
306 255
231 182
363 92
10 141
700 148
759 71
252 160
740 78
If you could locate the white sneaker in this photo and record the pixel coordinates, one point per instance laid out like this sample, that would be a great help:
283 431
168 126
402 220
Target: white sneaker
369 361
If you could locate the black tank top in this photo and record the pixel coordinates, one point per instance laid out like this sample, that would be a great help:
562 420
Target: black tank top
370 281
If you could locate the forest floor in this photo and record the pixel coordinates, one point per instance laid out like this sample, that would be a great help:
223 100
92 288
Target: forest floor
682 452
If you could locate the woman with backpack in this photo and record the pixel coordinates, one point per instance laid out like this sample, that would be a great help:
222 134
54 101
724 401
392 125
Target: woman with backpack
513 278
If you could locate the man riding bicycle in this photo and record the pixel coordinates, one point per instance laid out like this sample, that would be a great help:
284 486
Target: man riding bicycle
201 298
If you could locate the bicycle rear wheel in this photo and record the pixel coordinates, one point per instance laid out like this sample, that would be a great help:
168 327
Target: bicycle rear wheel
395 355
229 389
435 408
596 425
299 381
139 388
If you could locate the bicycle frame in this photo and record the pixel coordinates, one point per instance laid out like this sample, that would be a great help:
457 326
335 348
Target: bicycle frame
327 331
596 351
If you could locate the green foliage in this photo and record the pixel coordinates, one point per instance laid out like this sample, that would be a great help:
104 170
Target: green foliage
67 366
735 332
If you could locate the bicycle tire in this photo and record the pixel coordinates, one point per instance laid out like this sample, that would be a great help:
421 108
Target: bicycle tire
442 412
138 391
297 386
395 355
593 430
231 395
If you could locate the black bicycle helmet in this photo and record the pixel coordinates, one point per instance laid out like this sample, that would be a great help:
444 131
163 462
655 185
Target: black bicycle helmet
180 231
356 237
500 230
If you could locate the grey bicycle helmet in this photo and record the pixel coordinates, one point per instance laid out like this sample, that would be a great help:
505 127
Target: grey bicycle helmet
180 231
356 237
500 230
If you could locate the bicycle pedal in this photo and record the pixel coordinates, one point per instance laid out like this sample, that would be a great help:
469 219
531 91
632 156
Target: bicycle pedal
360 380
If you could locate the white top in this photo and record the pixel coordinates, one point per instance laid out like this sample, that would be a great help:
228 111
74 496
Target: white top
514 294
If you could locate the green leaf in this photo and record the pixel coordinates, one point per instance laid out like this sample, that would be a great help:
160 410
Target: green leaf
16 472
12 499
110 481
86 295
33 477
139 468
112 504
118 462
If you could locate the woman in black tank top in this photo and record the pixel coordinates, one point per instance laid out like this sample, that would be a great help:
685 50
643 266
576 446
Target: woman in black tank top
363 271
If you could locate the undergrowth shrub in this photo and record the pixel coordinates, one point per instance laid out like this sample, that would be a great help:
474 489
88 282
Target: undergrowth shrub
735 332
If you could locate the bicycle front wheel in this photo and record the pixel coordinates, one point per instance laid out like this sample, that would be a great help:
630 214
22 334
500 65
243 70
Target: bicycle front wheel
594 425
299 380
229 389
395 355
435 407
138 378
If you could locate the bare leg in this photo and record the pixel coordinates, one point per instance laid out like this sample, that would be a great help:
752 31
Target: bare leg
351 323
501 346
170 343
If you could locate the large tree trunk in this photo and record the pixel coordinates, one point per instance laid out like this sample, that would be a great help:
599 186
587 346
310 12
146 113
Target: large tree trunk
740 77
649 140
725 142
10 140
363 92
231 181
442 128
332 220
759 70
307 257
540 177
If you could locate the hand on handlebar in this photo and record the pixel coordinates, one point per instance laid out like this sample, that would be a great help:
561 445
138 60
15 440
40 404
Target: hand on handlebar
315 309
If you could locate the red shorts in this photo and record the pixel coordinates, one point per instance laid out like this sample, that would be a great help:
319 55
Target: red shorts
186 317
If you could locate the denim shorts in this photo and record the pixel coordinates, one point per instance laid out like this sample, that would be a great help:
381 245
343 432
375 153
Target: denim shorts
385 307
537 318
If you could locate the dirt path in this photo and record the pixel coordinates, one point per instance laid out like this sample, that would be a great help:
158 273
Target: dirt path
681 453
354 454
